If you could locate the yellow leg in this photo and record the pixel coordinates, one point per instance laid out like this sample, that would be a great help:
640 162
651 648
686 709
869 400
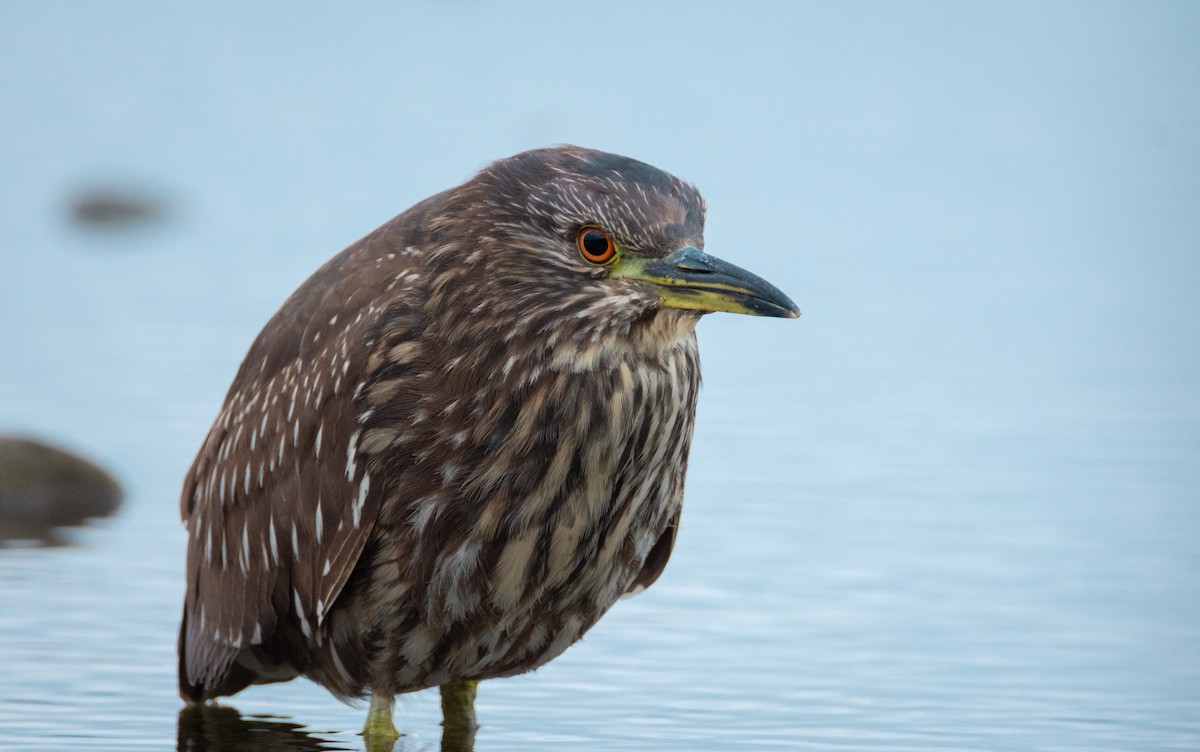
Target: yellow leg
458 714
380 732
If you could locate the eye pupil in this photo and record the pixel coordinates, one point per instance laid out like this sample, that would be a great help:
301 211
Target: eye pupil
595 243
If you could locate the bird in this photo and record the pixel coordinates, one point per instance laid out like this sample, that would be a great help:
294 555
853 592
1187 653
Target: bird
461 441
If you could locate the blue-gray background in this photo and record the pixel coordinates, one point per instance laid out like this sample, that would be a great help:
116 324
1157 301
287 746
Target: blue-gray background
956 505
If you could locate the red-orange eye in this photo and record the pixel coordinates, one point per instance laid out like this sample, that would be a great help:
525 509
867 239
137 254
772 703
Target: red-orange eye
596 245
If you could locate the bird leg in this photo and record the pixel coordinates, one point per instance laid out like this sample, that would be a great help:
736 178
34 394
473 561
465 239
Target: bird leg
458 710
380 732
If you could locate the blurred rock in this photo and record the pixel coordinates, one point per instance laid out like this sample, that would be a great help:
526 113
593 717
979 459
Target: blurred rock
113 207
43 488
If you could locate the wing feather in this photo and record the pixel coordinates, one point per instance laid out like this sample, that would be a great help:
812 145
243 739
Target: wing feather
278 502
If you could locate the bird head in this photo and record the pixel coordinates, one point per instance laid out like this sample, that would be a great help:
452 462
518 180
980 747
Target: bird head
608 244
611 218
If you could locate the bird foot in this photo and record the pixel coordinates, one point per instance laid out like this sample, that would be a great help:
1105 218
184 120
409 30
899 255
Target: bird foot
380 731
458 716
458 708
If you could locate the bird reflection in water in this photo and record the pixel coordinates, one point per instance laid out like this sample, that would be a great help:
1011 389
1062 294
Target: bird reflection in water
213 728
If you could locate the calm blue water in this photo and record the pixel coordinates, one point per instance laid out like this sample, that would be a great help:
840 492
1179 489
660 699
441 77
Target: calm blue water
956 506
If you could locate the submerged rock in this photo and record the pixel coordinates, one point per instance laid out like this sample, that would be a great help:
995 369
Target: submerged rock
43 488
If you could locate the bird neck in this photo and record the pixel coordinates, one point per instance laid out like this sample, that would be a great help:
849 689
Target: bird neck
655 337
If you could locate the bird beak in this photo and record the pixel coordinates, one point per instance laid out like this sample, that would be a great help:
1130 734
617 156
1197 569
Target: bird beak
690 278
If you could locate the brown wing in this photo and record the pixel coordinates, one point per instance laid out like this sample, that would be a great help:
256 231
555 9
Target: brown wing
278 503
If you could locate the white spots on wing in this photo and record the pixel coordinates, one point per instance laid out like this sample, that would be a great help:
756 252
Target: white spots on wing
256 638
274 544
295 543
352 454
328 566
363 487
304 626
244 553
317 445
319 522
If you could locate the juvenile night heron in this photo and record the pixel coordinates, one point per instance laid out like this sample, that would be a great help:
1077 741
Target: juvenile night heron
461 440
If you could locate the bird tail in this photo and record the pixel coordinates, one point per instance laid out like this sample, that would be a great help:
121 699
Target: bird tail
191 692
210 669
207 669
